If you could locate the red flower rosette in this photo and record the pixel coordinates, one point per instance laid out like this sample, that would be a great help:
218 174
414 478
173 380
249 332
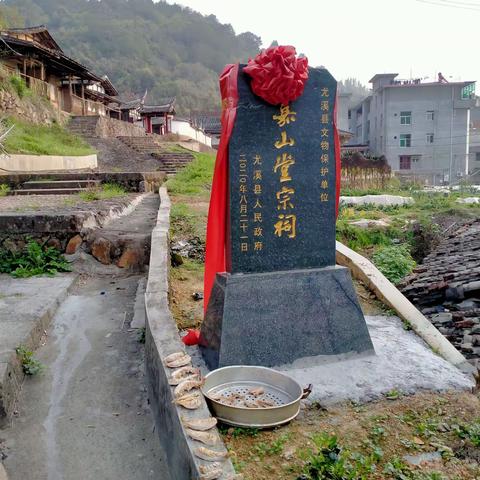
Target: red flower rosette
278 76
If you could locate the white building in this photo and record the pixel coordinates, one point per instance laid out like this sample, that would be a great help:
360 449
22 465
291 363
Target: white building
422 128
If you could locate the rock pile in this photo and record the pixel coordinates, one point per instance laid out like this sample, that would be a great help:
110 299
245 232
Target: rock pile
446 288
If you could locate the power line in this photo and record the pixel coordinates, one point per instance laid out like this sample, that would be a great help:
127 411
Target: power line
437 4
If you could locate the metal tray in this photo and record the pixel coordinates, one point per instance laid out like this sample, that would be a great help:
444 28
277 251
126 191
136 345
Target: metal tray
235 382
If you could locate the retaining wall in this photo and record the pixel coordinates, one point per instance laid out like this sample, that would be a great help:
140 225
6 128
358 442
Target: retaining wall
111 127
39 163
161 339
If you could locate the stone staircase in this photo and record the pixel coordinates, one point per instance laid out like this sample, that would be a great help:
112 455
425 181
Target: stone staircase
57 187
146 144
171 163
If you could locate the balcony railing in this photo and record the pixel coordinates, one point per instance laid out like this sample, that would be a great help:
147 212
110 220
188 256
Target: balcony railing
37 86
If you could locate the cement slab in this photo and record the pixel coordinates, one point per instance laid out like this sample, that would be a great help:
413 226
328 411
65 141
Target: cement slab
403 362
26 308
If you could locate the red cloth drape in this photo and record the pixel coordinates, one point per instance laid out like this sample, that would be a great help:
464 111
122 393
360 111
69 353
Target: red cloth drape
215 255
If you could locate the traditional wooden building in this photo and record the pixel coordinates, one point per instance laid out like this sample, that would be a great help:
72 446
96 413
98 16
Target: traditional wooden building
158 118
34 55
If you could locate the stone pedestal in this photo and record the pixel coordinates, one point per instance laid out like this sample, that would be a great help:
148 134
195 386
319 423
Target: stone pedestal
272 319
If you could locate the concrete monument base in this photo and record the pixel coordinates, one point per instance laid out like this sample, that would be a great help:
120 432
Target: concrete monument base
272 319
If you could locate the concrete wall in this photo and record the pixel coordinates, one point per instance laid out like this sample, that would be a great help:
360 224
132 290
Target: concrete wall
182 127
39 163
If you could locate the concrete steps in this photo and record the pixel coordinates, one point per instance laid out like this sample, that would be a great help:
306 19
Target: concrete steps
84 126
146 144
56 187
171 163
48 191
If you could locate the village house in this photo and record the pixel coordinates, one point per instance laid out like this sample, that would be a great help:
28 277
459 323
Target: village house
35 56
421 127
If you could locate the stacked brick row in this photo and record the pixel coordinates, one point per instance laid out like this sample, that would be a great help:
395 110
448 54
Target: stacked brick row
446 288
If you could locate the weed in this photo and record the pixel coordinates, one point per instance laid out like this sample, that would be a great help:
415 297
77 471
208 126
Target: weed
394 261
332 462
406 325
141 335
30 365
469 431
237 432
393 394
34 259
274 448
4 189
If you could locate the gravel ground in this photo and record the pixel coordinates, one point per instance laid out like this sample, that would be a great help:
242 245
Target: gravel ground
54 203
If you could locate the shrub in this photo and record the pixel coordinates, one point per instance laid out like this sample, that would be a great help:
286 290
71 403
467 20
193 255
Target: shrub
4 189
394 261
34 259
19 86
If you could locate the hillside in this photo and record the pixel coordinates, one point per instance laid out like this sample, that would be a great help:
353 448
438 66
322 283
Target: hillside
166 49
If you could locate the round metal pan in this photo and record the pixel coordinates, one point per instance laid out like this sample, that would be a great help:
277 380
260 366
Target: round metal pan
279 389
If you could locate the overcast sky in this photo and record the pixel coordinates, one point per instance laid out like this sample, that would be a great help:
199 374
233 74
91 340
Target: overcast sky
362 37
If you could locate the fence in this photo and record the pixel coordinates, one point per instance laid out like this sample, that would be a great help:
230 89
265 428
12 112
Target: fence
361 173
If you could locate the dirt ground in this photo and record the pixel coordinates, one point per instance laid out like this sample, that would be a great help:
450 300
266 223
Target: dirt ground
56 203
346 442
388 429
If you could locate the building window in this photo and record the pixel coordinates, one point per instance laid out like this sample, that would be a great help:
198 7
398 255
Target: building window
429 137
349 114
405 140
430 114
405 118
468 91
405 162
477 156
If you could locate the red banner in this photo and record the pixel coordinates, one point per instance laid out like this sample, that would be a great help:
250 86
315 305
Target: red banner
215 255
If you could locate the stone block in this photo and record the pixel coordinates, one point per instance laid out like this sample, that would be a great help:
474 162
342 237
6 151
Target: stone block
272 319
73 245
101 250
130 258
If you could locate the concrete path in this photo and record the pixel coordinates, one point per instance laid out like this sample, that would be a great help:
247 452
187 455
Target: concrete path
27 306
86 417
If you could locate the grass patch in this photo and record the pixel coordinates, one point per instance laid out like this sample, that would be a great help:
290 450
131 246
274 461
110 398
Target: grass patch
195 179
28 138
104 192
394 261
34 259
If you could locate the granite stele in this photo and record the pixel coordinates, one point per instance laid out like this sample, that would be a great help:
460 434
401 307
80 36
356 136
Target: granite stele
283 297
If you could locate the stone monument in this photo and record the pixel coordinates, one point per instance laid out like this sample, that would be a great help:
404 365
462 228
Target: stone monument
282 297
